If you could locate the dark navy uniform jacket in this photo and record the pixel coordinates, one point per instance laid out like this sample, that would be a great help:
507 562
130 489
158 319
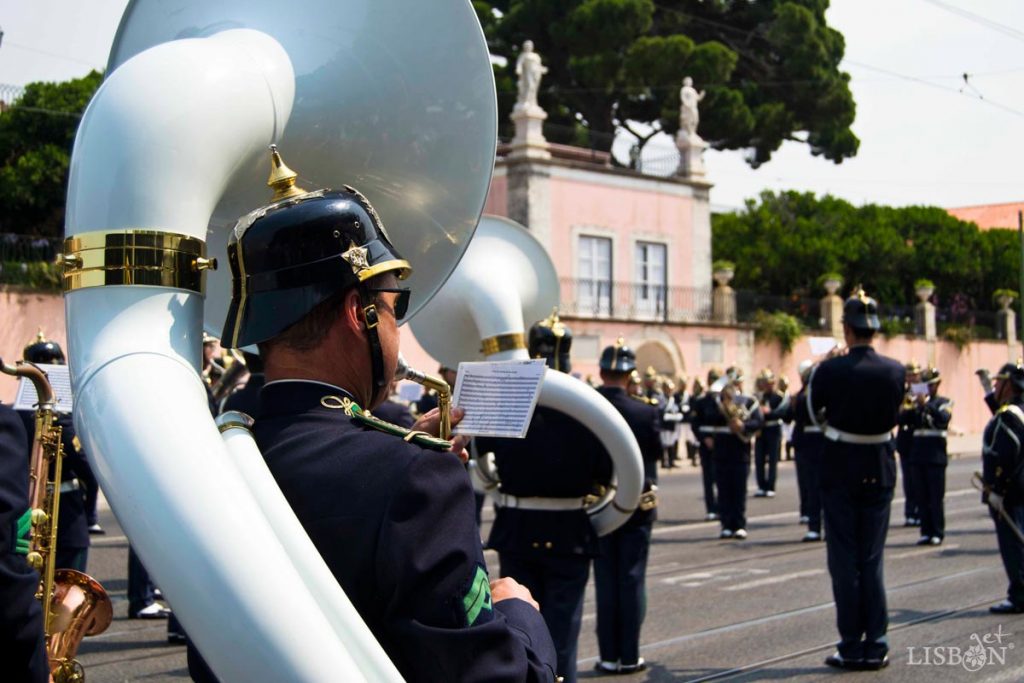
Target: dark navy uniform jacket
905 431
247 399
705 413
72 525
797 413
777 413
1002 454
396 524
22 645
861 393
395 413
933 416
559 458
728 446
645 422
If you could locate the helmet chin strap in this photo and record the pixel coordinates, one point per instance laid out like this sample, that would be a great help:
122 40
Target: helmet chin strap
371 319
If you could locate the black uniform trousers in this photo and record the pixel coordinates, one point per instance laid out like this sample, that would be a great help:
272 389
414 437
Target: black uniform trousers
929 481
707 474
731 476
1012 551
619 577
557 584
766 457
904 443
856 524
808 477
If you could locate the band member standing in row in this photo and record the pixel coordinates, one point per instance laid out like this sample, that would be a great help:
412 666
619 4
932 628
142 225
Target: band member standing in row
1003 477
22 641
392 517
808 442
905 444
929 458
743 418
860 393
768 446
620 569
704 417
542 532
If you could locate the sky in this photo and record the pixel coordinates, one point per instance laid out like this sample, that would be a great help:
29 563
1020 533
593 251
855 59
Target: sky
927 136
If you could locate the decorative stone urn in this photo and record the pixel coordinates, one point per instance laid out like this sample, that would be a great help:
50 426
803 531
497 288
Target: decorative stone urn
1004 301
723 276
832 285
924 292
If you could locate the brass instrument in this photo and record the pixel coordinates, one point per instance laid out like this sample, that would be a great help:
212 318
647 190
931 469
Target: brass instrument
444 393
74 604
735 415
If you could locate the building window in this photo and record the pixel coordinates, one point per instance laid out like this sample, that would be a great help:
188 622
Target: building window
711 351
651 279
595 275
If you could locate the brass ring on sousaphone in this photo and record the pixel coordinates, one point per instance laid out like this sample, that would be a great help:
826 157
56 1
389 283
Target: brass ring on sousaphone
393 98
504 283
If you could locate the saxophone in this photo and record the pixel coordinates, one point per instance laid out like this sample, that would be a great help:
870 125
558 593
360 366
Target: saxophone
74 604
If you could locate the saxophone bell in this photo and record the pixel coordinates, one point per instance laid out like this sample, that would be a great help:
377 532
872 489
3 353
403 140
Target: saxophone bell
444 393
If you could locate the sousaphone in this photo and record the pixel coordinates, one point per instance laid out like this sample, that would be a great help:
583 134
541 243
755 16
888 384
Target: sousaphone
504 283
394 98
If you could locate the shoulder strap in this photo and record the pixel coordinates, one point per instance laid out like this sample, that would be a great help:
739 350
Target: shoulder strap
364 417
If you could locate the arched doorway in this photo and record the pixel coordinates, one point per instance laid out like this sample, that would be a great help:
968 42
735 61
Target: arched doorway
654 353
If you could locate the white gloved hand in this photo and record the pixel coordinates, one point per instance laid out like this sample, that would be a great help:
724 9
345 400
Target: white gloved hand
995 501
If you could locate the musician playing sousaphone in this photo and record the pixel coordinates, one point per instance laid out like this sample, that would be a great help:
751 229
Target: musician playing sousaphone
317 286
743 418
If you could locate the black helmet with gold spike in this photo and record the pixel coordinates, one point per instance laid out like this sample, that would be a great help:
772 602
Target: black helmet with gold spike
618 357
551 340
296 252
861 311
43 351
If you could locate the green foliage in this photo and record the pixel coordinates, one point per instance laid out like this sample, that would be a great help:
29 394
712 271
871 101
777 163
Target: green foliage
960 335
770 69
892 327
36 275
722 264
36 135
923 283
780 327
1004 292
781 240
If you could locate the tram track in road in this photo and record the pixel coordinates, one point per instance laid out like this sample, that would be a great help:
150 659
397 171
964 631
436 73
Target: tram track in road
738 626
897 535
796 654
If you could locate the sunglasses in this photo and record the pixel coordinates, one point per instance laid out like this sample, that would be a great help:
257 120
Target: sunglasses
401 305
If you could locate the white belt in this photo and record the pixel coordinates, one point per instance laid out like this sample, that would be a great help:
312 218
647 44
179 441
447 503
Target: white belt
717 430
538 503
931 432
69 486
812 430
706 429
848 437
773 423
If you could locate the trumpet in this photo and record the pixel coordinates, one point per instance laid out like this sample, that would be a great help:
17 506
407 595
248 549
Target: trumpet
74 604
444 393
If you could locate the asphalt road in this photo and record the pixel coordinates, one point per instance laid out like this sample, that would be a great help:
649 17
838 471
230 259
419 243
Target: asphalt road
759 609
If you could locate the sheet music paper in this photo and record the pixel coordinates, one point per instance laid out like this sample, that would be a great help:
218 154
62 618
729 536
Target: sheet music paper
821 345
60 379
498 397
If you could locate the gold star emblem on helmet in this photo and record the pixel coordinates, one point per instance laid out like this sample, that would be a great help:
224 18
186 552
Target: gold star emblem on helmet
356 257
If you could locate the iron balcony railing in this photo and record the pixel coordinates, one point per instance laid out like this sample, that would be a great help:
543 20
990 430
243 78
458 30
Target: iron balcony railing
634 301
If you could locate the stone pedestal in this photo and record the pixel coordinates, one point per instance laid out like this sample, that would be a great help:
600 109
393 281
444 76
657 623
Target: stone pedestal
691 155
529 141
529 196
832 315
723 305
1006 325
924 320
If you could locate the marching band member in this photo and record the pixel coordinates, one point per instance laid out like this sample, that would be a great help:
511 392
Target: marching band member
316 286
929 457
860 393
731 452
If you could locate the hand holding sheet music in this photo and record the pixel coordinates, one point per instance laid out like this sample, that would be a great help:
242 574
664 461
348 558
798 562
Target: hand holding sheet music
499 397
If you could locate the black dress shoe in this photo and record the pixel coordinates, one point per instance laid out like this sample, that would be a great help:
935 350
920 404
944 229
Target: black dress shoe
1006 607
874 664
838 661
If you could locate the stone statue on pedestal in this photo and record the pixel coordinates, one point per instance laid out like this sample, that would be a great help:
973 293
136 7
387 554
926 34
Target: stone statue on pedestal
691 146
529 70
